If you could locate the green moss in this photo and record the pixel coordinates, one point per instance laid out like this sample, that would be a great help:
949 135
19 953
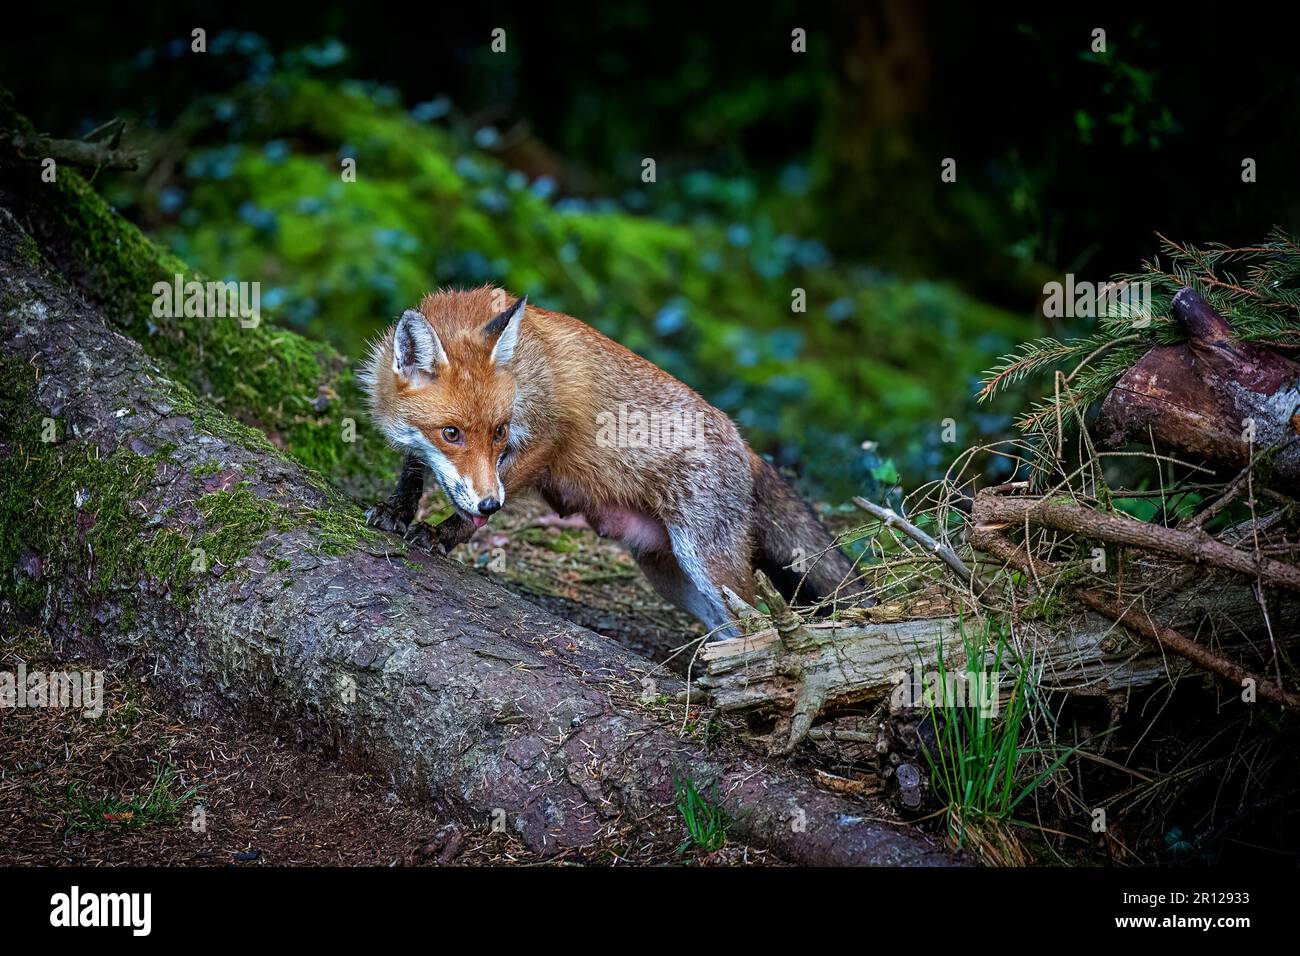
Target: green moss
63 500
235 523
208 420
29 250
241 520
66 504
343 528
267 378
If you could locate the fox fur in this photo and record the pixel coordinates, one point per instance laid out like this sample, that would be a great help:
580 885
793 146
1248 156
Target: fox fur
493 396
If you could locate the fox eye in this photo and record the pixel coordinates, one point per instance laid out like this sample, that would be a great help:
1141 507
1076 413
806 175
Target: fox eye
500 434
451 434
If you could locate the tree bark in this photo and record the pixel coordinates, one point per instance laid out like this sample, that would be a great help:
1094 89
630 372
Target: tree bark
155 534
1195 398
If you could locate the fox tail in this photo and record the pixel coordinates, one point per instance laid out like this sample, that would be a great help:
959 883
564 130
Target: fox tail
795 550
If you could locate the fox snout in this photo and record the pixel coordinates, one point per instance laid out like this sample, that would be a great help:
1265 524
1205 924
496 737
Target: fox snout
481 507
478 498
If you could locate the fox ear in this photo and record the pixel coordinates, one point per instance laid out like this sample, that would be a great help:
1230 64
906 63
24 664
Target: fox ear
416 349
505 328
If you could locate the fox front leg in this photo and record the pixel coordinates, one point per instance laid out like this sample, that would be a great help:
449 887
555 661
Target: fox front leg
397 511
442 537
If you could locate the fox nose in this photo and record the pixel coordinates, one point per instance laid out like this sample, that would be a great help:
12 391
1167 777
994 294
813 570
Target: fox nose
489 506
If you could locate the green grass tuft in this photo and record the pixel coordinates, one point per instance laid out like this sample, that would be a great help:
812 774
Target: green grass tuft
706 820
979 769
161 804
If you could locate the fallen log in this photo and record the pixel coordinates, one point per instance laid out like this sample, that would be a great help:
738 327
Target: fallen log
143 530
786 680
1197 397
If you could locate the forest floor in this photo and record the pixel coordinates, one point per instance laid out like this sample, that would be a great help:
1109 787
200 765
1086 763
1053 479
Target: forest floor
145 785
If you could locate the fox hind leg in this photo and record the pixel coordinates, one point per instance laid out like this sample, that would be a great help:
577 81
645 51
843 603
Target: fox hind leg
666 576
692 577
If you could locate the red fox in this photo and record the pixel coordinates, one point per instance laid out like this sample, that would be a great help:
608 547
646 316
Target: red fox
493 398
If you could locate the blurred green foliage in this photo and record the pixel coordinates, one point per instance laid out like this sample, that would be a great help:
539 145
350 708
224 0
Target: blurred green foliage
776 169
259 195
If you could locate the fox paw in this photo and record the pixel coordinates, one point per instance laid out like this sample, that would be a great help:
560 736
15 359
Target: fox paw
387 517
426 538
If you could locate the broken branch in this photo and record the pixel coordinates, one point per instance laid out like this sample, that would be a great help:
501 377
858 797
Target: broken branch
992 512
76 152
1138 621
892 519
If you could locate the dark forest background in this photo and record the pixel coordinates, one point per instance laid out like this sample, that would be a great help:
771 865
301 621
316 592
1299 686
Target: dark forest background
775 171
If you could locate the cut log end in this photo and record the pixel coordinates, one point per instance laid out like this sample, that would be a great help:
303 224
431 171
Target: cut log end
1212 399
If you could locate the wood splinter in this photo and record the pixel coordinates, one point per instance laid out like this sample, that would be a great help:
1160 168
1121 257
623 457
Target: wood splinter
788 628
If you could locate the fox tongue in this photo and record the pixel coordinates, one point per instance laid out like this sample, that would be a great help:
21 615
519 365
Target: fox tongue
479 520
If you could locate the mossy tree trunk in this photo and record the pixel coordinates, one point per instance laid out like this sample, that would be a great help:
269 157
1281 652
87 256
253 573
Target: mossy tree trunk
147 531
298 392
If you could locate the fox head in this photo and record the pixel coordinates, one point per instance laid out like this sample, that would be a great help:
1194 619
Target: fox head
441 388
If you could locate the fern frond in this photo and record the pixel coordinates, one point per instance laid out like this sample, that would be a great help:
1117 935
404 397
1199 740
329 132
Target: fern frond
1033 357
